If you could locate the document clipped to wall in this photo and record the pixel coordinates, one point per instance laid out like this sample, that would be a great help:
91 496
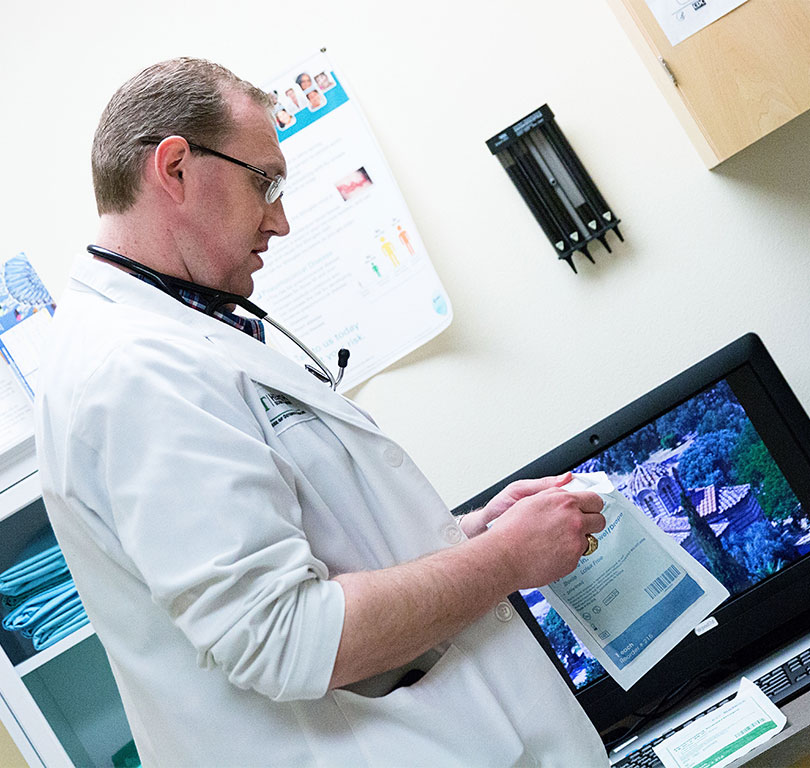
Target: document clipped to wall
25 314
683 18
353 272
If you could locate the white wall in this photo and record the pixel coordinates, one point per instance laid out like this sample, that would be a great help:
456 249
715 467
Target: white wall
535 353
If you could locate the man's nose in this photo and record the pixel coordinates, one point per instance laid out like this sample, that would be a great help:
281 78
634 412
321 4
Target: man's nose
275 219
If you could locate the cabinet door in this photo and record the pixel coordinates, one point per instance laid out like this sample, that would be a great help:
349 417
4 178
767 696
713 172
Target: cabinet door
739 78
16 751
61 696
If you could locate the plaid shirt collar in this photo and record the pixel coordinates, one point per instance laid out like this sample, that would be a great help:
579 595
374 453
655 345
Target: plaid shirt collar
251 326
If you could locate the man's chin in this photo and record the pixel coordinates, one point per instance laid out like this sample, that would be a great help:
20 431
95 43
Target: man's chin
242 287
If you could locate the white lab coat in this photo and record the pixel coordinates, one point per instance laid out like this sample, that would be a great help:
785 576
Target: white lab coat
202 518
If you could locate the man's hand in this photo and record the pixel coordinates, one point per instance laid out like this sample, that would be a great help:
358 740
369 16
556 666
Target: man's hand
544 535
476 522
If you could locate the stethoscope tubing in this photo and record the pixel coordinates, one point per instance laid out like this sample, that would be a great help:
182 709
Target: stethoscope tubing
170 285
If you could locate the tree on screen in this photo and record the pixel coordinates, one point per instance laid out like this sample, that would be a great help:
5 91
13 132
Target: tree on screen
763 548
756 466
725 568
708 460
634 449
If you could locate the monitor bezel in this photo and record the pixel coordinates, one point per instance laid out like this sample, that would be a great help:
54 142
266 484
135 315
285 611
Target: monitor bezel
742 634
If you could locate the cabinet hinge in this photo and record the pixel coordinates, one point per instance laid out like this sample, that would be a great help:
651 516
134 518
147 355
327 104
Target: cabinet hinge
667 70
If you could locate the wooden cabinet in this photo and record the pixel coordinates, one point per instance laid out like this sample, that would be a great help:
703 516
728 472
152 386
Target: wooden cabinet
734 81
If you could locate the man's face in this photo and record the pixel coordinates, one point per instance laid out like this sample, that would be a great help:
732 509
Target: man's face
305 82
314 98
228 221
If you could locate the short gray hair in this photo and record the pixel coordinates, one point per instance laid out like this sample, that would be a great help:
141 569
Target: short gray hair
185 97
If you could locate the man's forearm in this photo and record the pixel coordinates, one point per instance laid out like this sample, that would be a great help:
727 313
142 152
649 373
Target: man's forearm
395 614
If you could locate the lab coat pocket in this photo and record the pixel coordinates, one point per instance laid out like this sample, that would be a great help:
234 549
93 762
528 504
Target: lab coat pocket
448 718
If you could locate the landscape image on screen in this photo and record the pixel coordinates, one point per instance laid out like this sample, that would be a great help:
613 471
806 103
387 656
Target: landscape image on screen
702 473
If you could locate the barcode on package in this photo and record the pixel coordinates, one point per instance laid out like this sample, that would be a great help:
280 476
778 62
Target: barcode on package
663 581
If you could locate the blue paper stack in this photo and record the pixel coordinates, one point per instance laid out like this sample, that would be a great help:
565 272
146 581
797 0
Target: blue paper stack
45 606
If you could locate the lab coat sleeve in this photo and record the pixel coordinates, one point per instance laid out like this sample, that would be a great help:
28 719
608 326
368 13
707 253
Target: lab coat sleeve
207 512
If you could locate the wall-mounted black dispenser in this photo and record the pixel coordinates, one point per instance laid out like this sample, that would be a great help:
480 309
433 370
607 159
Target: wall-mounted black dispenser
555 185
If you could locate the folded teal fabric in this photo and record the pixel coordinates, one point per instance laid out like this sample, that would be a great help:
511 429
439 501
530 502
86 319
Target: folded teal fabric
54 630
33 572
48 616
12 601
41 606
45 606
57 613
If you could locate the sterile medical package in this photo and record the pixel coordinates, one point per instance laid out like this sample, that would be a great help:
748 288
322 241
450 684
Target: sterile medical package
638 595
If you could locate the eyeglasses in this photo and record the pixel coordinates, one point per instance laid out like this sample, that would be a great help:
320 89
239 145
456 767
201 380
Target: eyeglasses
276 184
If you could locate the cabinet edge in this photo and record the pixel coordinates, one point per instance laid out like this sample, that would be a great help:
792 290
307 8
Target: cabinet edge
668 90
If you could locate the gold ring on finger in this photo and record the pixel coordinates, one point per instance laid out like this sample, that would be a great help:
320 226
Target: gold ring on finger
593 543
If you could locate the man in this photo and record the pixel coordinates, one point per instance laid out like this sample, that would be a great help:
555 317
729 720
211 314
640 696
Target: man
269 574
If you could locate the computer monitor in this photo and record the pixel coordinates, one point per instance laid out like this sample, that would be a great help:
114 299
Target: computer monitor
719 458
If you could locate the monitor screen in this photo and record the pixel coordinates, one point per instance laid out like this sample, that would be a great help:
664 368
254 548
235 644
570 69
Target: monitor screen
719 458
704 475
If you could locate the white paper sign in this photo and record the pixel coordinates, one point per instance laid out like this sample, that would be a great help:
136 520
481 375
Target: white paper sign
25 314
725 734
353 272
682 18
22 345
16 411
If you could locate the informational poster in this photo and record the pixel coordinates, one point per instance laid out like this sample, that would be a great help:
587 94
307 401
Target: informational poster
682 18
16 412
25 312
353 272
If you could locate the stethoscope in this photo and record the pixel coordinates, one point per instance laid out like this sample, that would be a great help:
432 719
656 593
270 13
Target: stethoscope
216 299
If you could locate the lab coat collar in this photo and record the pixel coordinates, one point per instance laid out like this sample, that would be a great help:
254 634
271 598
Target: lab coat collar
261 362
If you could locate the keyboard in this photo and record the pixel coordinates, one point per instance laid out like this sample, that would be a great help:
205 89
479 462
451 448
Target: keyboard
780 684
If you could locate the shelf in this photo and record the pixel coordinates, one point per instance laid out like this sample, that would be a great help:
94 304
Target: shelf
20 493
17 461
65 644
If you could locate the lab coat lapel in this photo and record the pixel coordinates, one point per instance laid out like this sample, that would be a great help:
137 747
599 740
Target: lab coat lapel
269 367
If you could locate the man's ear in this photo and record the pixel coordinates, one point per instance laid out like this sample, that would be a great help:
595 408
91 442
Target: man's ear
170 164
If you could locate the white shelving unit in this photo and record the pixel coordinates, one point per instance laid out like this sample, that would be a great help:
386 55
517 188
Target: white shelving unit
60 705
14 729
57 649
